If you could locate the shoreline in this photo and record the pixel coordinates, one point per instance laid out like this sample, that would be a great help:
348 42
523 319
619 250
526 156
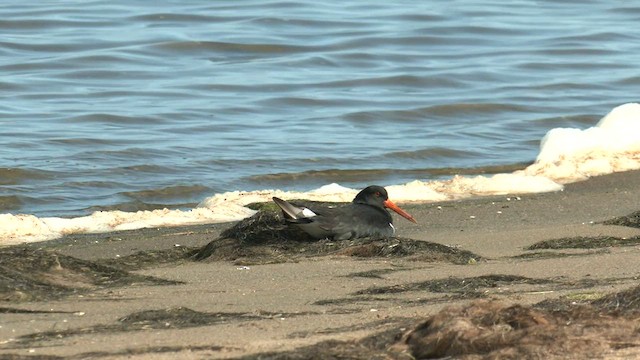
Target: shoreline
241 310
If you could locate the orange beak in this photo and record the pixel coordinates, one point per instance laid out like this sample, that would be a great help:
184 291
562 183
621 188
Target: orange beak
389 204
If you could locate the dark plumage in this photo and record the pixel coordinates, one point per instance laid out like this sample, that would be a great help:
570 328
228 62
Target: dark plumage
365 216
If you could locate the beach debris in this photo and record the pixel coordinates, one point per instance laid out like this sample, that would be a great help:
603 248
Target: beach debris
581 242
471 287
264 238
35 274
497 330
631 220
490 329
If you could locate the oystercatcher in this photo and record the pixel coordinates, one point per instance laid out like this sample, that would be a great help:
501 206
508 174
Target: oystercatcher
366 216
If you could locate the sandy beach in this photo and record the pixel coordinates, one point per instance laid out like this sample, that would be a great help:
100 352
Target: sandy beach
137 295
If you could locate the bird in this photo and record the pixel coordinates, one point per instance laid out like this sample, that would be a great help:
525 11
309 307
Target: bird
365 216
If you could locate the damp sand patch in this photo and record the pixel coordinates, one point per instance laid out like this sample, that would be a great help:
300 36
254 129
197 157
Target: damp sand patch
544 254
373 274
581 242
451 289
264 238
128 353
438 290
28 274
465 287
575 247
161 319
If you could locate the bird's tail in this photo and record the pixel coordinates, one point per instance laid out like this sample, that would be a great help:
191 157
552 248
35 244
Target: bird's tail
289 211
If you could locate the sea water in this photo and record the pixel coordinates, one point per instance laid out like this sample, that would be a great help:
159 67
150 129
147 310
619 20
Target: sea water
118 115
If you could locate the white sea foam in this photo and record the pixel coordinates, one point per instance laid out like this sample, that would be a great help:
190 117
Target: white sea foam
613 145
566 155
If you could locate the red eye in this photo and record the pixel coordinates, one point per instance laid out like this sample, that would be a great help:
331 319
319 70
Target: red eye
378 194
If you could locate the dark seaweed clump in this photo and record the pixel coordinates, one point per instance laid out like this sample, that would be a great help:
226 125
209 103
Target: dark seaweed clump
265 238
581 242
28 274
631 220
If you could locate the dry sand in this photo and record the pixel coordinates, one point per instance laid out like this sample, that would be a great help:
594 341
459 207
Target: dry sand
134 294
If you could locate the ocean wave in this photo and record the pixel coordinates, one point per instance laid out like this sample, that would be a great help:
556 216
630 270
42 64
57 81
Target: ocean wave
237 48
11 176
433 112
356 175
10 202
566 155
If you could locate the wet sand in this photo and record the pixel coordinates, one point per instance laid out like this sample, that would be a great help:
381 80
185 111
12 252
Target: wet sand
546 258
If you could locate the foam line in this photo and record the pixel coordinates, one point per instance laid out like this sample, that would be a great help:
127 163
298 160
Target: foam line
566 155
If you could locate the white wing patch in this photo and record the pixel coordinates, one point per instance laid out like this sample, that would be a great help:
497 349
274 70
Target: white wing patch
307 213
393 227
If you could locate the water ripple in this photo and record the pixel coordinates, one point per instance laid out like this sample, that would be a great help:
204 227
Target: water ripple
109 103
